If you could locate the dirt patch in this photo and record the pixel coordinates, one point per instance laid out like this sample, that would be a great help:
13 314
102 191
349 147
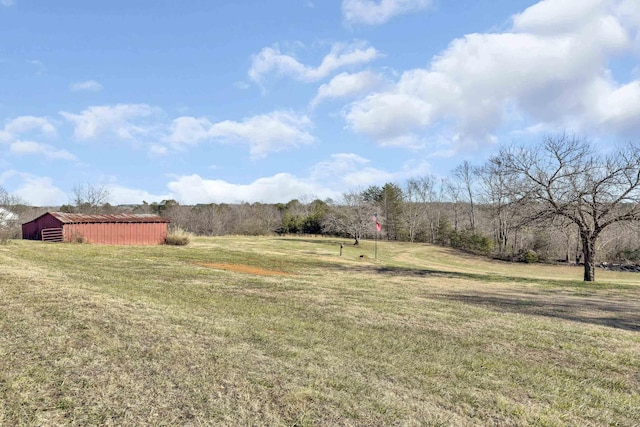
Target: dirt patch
246 269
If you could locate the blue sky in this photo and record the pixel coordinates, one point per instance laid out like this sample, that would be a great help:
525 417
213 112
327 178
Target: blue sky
265 101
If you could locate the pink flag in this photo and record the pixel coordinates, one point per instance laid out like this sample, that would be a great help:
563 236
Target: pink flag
378 226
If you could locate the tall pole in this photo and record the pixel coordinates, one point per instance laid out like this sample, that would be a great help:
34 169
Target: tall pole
376 224
376 244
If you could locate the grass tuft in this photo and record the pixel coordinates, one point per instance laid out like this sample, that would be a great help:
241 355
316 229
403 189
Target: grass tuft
178 237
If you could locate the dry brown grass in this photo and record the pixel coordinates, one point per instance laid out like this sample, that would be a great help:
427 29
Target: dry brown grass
242 268
421 336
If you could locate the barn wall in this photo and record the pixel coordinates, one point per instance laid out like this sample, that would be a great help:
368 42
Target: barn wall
117 233
33 230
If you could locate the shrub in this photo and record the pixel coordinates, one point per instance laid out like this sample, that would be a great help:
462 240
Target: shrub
76 238
178 237
632 255
471 242
529 257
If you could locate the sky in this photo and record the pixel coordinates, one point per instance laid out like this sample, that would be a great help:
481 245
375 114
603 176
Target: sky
233 101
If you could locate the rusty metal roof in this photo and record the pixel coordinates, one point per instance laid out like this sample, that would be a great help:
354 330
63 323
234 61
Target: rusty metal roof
71 218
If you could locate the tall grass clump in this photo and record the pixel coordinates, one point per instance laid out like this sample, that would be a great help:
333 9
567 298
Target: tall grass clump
178 237
5 236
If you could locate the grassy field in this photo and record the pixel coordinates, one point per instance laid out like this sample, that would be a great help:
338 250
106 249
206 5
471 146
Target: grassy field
285 332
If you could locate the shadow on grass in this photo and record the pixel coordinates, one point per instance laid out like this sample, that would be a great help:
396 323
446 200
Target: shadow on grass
587 305
596 310
488 277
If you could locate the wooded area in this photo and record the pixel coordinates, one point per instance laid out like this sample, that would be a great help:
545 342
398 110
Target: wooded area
560 201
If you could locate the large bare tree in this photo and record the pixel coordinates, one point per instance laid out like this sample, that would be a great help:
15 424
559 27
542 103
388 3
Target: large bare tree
351 216
90 199
567 177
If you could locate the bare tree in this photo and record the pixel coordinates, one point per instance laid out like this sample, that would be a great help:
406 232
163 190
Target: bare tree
453 192
268 216
12 210
351 216
464 174
566 177
495 195
419 207
90 198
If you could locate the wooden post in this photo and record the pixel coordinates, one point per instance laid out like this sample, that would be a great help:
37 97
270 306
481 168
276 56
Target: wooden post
376 244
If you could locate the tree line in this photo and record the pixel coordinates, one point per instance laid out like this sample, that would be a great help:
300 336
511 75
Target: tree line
561 200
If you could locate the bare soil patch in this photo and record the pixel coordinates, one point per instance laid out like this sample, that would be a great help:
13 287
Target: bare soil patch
246 269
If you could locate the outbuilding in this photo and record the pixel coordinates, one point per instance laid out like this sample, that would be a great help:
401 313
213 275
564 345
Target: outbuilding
120 229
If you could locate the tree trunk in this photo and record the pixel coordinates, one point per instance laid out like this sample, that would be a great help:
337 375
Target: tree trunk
589 252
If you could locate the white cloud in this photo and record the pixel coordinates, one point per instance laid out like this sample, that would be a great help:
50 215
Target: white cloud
25 124
40 191
158 150
88 86
270 59
118 120
189 130
552 74
349 170
388 116
327 179
347 85
554 16
281 187
264 133
119 195
629 11
35 148
6 2
7 175
242 85
339 165
373 12
616 107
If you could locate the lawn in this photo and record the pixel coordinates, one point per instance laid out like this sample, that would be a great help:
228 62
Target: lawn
286 332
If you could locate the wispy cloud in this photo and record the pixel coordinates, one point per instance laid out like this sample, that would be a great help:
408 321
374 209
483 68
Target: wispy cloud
40 68
39 190
272 60
26 124
37 149
88 86
347 85
374 12
264 133
120 120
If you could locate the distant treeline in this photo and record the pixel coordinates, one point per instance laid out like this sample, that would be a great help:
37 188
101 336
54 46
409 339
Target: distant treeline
560 201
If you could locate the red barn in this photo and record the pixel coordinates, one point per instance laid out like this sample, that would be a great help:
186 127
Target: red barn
121 229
